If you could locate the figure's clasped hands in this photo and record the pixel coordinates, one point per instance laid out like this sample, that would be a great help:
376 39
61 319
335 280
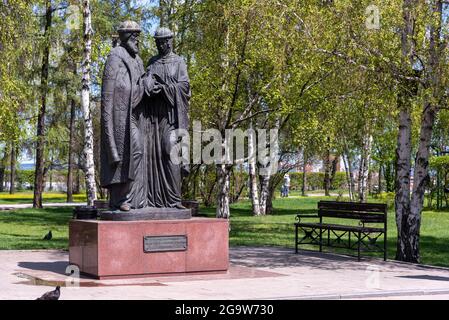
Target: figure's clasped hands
152 86
156 88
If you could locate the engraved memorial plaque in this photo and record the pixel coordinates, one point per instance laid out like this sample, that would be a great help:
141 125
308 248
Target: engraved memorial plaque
164 243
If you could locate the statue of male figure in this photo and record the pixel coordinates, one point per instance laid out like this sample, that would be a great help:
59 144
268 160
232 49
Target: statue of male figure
121 145
165 110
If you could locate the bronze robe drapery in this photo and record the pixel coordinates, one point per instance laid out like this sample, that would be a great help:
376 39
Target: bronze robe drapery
121 140
161 114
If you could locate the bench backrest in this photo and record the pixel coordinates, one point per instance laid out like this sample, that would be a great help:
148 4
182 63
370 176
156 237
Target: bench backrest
372 212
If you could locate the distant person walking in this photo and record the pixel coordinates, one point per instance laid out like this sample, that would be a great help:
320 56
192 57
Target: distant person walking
286 186
282 190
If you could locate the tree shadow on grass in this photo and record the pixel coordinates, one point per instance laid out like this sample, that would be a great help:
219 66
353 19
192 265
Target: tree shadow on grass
29 242
433 250
46 216
25 228
295 211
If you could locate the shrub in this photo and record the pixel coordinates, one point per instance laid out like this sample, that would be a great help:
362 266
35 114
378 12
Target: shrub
387 197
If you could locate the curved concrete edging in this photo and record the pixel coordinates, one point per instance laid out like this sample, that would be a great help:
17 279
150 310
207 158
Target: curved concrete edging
365 295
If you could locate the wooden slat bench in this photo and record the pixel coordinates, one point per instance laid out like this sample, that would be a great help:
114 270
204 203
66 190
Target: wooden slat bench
364 235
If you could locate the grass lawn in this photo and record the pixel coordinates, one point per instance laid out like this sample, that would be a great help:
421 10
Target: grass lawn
25 228
27 197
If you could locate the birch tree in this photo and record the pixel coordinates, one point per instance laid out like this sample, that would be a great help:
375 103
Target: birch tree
364 167
434 81
252 168
219 75
89 167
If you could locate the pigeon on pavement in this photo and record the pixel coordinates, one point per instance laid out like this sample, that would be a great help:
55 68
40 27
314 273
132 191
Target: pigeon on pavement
51 295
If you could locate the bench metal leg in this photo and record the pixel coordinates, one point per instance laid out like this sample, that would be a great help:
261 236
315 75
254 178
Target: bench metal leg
321 240
349 239
385 246
296 240
358 245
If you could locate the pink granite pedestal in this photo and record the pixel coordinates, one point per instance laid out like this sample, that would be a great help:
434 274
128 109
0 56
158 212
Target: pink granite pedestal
114 249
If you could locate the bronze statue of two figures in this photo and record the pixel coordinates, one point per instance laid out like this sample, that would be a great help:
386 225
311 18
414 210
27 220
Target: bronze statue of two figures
140 110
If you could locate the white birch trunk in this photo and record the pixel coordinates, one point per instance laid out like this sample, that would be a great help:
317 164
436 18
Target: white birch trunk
254 192
403 166
361 173
421 177
222 170
408 211
223 173
265 178
264 193
348 167
364 167
89 168
421 172
404 148
348 176
351 178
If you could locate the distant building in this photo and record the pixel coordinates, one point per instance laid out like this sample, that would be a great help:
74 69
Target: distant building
26 166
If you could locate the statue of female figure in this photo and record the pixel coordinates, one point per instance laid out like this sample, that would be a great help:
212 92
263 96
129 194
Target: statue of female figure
164 110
